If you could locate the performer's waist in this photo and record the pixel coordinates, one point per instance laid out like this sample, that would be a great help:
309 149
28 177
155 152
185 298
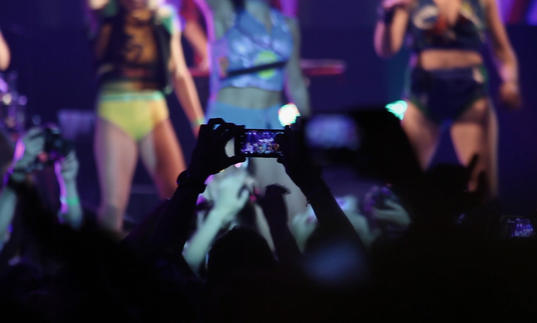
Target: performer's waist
133 77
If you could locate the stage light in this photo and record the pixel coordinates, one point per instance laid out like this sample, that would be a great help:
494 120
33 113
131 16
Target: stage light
398 108
288 114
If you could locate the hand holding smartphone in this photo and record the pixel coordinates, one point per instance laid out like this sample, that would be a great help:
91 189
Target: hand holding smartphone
258 143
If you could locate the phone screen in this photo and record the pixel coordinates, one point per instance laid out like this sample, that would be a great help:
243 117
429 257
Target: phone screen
258 143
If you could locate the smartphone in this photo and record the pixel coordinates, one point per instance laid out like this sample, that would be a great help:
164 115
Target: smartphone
258 143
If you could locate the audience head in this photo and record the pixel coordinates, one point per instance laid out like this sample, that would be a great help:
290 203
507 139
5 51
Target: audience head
239 251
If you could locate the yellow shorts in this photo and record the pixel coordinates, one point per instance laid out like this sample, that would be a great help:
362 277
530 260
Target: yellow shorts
136 113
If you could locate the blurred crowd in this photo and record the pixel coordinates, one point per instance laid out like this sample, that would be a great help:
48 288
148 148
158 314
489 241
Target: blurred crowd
223 249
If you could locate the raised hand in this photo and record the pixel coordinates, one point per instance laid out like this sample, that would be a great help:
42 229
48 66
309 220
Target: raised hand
27 151
392 4
67 167
209 156
229 192
392 213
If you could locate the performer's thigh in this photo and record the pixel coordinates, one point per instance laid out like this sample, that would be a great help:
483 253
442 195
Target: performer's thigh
115 156
422 133
163 157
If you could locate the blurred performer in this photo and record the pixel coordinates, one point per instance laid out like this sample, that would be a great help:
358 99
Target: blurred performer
193 31
255 53
448 81
5 55
517 11
140 60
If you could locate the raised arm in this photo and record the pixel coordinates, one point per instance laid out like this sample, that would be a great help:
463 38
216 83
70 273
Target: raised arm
505 56
195 34
8 203
295 84
66 172
391 26
5 55
275 211
230 196
307 177
209 157
26 151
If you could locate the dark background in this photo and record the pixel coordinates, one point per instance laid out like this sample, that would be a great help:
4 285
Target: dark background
51 54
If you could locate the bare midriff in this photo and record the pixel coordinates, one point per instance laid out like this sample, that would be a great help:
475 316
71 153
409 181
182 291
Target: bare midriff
250 97
435 59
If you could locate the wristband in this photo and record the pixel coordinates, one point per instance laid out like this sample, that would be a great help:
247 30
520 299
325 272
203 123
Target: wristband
198 122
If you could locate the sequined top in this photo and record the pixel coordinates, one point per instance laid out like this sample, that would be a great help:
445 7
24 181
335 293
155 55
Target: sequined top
135 46
247 45
430 30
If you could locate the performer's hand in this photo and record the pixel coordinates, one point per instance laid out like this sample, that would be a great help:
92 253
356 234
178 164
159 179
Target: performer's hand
209 156
3 85
392 4
97 4
510 95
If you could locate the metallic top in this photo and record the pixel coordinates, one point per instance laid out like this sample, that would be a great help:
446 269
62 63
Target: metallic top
430 30
249 55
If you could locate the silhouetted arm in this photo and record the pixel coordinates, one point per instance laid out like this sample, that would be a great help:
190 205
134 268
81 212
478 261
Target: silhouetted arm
275 212
390 33
307 176
170 228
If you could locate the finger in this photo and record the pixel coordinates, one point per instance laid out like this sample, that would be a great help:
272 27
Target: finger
236 130
203 130
231 132
215 121
222 130
280 138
